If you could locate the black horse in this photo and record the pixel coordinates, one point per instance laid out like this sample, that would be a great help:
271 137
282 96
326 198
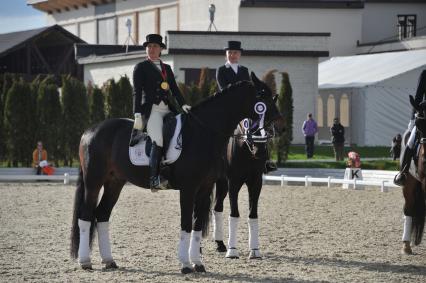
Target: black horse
414 189
247 153
104 160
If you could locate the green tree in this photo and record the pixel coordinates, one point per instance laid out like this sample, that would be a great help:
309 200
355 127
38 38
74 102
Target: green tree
269 79
112 97
17 123
75 116
285 105
7 80
96 106
195 93
125 91
49 114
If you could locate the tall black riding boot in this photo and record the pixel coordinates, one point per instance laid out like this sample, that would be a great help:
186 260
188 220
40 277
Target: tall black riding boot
154 163
401 177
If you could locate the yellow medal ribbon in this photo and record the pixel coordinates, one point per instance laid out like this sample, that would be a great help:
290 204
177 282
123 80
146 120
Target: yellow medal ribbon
165 86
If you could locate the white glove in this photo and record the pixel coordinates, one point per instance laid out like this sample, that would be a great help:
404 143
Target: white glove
186 108
138 122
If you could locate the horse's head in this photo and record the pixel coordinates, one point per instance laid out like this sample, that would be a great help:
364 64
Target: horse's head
266 105
420 121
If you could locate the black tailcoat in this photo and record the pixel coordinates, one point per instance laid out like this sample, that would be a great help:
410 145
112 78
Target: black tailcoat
225 76
147 91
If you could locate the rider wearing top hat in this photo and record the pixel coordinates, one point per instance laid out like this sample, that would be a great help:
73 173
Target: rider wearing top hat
155 94
401 177
233 72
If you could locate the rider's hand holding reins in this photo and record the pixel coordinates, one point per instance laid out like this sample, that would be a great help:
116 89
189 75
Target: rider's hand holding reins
186 108
138 125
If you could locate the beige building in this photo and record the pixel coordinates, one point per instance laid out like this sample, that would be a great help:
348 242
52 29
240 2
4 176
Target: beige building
353 24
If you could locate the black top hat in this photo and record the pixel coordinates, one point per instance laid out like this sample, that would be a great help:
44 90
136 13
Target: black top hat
234 45
154 38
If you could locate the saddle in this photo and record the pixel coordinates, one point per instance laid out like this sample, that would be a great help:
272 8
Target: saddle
172 142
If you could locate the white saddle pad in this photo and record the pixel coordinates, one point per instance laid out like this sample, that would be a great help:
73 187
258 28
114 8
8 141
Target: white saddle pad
138 156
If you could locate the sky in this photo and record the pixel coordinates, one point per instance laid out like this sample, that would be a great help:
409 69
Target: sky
16 15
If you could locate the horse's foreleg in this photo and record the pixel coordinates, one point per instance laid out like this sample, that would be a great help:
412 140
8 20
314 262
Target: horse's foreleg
406 235
254 188
186 210
221 192
233 221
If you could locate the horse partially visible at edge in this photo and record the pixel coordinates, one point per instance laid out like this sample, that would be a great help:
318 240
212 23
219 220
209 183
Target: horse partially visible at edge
414 190
105 162
246 156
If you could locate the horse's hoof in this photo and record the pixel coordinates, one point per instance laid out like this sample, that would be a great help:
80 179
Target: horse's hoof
406 249
86 266
111 265
255 254
186 270
232 253
220 247
199 268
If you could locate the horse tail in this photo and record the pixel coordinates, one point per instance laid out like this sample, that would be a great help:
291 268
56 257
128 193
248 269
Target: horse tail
205 216
419 215
75 231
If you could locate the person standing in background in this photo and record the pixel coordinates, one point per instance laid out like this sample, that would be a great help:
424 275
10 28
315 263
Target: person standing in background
309 129
338 139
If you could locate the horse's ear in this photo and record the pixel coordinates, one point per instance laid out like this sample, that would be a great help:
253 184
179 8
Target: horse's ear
254 78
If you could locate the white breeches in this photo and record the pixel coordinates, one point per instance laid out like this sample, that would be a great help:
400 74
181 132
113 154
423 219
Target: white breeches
410 142
155 122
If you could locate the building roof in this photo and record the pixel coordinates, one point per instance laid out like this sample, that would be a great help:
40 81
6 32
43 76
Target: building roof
329 4
362 70
51 6
13 40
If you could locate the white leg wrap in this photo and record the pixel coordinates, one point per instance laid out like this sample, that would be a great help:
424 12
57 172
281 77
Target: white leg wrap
253 233
183 249
233 229
217 226
406 235
104 243
83 248
194 248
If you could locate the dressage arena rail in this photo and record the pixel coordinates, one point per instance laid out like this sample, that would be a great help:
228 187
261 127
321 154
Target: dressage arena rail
381 178
383 183
65 174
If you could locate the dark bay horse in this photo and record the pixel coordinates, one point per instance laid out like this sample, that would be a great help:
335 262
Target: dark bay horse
414 190
246 156
104 159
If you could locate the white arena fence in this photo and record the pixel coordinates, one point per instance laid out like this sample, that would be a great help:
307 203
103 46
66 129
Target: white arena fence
284 176
380 178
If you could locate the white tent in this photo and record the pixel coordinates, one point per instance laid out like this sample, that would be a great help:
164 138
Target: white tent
377 87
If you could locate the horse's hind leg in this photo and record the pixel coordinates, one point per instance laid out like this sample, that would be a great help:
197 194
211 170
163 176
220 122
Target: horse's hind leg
221 192
112 191
254 188
86 218
201 225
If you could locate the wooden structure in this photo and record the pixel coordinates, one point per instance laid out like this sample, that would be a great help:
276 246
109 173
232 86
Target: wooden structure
47 50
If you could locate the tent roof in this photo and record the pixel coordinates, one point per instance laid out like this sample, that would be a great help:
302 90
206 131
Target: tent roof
362 70
13 40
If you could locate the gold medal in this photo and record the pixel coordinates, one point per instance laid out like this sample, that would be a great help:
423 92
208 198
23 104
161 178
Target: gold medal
164 85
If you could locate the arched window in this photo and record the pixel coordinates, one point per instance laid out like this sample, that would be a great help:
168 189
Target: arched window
344 110
331 110
320 112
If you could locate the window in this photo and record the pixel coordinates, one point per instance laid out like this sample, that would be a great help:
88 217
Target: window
320 112
344 110
331 110
407 26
